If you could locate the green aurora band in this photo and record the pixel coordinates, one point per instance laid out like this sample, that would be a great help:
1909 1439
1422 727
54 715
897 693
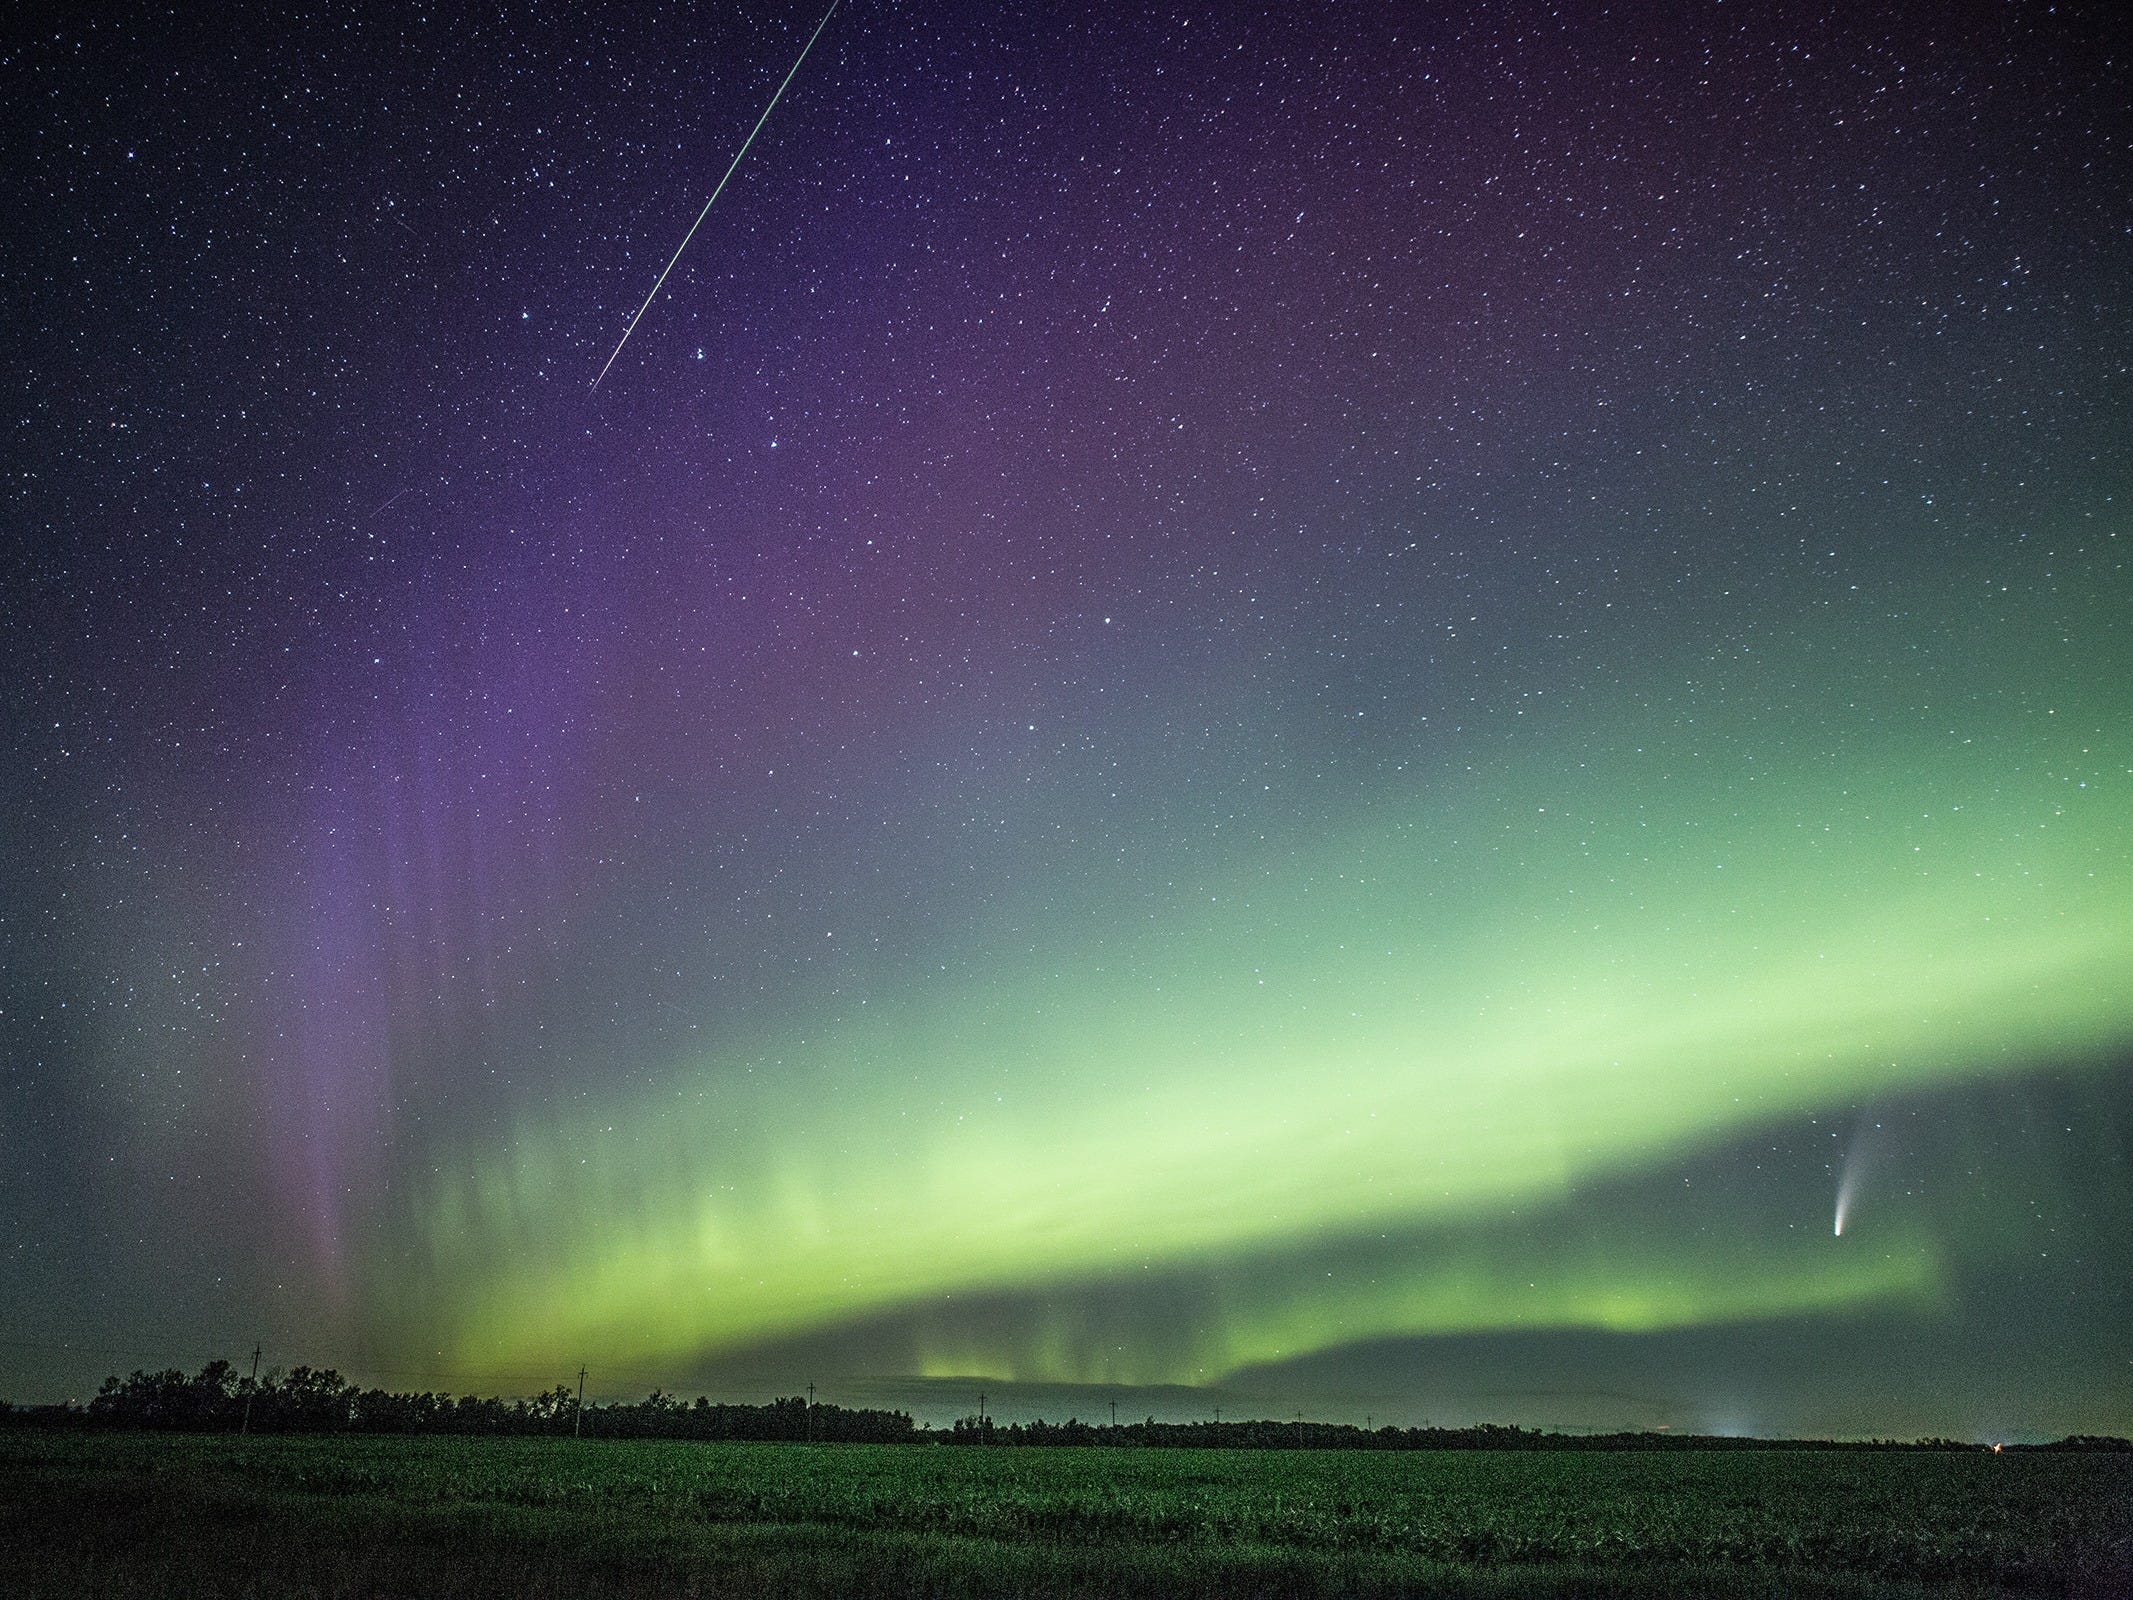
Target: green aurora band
1654 932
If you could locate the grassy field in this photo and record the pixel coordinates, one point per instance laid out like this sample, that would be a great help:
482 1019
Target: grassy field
131 1514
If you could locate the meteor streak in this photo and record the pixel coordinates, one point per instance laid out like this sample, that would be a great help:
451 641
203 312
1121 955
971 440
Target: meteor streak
721 189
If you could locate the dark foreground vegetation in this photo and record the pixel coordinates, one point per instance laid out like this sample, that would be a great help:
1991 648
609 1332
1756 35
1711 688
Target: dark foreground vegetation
126 1513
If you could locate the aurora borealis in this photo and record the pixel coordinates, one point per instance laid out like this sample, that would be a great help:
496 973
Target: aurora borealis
1334 707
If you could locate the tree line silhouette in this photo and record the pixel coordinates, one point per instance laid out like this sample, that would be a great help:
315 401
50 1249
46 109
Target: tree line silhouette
320 1400
1263 1434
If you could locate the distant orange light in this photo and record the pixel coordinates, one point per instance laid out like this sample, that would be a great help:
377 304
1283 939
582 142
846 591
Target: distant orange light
1996 1449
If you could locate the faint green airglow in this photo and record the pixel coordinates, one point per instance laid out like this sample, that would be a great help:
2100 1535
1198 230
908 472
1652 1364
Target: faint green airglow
1472 996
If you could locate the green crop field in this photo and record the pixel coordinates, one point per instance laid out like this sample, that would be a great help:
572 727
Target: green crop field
135 1514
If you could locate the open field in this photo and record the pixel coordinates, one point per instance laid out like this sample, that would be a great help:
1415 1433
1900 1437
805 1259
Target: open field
138 1515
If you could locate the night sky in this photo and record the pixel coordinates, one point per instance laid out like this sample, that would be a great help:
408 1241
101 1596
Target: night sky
1394 709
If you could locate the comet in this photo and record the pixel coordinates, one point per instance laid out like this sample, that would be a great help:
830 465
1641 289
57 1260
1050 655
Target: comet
1854 1173
731 168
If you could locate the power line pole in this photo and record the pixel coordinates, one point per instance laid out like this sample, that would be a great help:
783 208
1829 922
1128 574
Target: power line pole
250 1391
1114 1413
1218 1416
1299 1430
577 1423
810 1413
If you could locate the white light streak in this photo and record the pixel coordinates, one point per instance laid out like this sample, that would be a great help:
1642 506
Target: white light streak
715 193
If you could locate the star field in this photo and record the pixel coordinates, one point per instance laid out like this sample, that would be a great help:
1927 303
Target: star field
1342 703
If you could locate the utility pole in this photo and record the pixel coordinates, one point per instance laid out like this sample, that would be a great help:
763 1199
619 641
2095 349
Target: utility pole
577 1423
1114 1413
249 1392
1299 1430
1218 1416
810 1413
